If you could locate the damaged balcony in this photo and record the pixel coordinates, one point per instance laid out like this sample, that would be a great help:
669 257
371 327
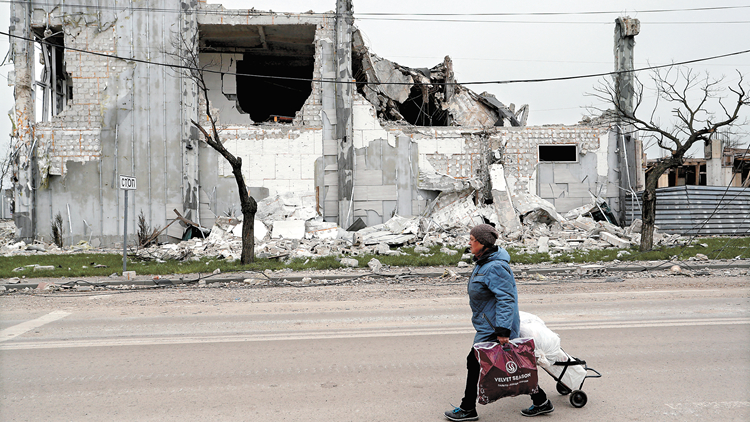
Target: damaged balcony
280 58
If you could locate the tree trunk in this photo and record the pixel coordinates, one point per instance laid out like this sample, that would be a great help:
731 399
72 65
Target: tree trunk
248 235
648 216
249 208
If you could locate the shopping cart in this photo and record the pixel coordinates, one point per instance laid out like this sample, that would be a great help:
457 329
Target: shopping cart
570 375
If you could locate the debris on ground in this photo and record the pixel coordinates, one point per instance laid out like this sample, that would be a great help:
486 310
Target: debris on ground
288 226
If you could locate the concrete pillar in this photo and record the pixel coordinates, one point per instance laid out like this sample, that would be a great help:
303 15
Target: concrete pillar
713 152
25 166
630 165
344 132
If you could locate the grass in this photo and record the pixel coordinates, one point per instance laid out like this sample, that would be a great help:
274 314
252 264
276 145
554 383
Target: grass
82 265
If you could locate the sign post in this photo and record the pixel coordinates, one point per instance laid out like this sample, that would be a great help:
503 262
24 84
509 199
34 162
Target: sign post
126 183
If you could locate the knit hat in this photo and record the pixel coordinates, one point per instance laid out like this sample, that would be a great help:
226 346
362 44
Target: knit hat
485 234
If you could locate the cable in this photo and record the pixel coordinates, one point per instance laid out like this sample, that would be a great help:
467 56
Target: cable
238 12
323 80
544 22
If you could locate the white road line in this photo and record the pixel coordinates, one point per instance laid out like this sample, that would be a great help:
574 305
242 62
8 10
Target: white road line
17 330
335 334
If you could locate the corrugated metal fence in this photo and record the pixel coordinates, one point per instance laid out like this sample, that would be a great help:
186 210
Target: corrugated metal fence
703 210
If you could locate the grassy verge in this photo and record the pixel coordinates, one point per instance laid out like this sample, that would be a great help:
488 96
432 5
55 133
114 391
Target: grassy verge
84 265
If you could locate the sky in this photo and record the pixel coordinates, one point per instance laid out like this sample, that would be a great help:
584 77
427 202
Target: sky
540 39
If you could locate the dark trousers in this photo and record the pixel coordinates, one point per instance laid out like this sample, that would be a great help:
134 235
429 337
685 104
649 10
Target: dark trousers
472 379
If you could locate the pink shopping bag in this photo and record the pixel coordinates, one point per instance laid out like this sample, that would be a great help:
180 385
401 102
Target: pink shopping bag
506 371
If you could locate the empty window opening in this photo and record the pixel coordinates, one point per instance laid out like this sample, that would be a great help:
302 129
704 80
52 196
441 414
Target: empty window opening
286 53
272 99
54 85
558 153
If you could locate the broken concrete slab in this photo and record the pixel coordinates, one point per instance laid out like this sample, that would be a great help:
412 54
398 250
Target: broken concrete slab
454 210
543 244
319 229
526 203
349 262
430 180
375 265
614 240
289 229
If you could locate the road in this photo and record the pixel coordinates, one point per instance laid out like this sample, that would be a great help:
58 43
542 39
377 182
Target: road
676 354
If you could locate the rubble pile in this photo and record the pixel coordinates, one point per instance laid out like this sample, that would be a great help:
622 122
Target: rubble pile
289 226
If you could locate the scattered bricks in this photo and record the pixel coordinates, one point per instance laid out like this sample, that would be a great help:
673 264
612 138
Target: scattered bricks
614 240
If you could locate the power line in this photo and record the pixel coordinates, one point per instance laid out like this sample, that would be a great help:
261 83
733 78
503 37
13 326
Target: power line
236 12
555 13
546 22
323 80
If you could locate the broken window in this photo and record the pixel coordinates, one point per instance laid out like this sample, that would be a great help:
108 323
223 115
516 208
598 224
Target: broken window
55 84
558 153
285 53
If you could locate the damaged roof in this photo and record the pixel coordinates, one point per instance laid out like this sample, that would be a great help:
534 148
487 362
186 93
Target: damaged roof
426 97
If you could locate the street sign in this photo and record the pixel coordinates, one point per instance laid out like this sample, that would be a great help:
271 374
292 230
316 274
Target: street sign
127 182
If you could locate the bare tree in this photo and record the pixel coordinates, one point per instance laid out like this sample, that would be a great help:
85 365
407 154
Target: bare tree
192 67
698 106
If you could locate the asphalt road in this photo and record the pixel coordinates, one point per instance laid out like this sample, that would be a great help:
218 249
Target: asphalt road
671 355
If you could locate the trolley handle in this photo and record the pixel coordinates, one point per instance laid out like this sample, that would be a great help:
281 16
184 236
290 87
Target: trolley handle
598 375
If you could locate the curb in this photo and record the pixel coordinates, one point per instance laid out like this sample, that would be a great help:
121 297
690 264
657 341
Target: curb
236 277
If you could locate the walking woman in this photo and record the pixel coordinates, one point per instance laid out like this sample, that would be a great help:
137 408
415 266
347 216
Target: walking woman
492 292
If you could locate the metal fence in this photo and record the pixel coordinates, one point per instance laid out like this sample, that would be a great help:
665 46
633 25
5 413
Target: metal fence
703 210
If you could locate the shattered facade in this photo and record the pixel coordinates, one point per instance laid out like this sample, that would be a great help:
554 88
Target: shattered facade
362 147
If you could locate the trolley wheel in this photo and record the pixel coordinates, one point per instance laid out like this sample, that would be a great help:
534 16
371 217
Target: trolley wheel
578 398
562 389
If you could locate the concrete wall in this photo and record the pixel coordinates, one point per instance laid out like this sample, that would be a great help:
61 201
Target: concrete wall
117 123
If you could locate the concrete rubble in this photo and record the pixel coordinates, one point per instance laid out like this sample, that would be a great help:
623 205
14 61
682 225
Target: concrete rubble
288 227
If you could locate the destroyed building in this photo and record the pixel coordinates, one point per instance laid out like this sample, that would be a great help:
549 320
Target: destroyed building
101 91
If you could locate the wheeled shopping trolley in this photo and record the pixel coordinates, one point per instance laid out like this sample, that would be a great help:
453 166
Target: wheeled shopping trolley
570 376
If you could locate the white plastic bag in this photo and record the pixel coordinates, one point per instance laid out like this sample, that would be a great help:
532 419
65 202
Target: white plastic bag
547 341
574 375
548 351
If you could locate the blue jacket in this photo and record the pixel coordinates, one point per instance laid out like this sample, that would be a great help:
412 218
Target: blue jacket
492 292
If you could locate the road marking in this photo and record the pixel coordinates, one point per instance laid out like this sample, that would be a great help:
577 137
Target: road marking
286 334
17 330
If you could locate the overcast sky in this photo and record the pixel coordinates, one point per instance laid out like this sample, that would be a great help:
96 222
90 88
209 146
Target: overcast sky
525 45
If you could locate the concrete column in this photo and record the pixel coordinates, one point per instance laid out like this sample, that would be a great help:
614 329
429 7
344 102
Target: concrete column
630 164
344 130
713 152
25 167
